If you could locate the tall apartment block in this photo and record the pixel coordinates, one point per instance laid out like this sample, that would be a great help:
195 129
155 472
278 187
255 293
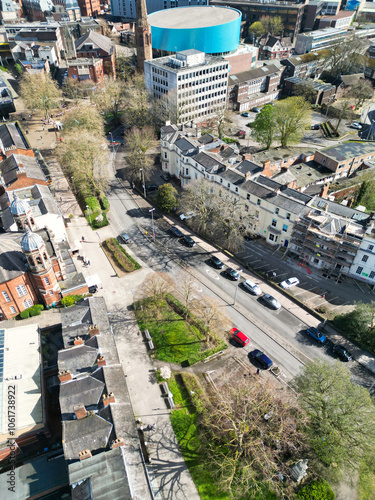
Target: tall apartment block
198 82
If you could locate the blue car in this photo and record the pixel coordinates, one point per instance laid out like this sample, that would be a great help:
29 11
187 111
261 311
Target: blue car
259 357
316 334
245 114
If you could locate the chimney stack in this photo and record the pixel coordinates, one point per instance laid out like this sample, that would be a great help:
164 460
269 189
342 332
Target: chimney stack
101 361
324 191
84 454
94 330
117 442
108 398
80 411
65 376
78 341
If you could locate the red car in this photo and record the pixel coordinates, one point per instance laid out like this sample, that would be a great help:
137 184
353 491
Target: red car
241 133
239 336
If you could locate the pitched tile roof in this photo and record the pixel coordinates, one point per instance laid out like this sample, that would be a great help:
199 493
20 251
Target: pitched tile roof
95 39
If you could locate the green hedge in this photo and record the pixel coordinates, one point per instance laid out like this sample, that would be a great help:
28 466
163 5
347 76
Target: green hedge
316 490
70 300
34 310
121 256
195 390
104 202
93 204
25 314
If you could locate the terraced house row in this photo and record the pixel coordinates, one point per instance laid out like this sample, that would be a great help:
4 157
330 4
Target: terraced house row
287 196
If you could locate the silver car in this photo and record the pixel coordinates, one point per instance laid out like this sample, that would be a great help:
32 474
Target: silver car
252 287
271 301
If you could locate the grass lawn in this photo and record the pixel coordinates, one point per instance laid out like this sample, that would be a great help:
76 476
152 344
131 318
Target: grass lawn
175 340
366 484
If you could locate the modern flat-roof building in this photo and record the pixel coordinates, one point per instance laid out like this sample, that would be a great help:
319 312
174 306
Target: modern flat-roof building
319 39
196 81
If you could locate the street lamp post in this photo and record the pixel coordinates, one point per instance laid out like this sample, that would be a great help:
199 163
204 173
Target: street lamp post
143 180
113 147
88 211
153 227
236 290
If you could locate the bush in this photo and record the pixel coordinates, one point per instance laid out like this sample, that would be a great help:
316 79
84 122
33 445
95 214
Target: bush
121 256
25 314
316 490
196 393
93 204
70 300
230 140
18 68
36 310
96 224
104 202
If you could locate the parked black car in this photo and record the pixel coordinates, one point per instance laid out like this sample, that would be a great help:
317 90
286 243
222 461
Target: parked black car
342 353
176 232
232 274
152 187
216 263
188 240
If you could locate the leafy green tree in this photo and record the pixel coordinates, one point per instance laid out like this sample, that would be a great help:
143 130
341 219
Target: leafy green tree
40 92
257 29
306 90
272 24
359 324
292 116
342 415
166 198
316 490
263 128
361 193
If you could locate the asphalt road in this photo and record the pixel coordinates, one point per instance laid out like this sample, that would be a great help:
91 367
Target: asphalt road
280 334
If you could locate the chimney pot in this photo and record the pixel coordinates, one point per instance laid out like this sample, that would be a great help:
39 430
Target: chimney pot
94 330
65 376
84 454
108 399
101 361
117 442
78 341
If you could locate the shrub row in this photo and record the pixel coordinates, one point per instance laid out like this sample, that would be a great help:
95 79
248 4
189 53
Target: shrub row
120 256
70 300
32 311
196 392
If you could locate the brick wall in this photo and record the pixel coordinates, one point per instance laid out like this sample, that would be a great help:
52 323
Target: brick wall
15 301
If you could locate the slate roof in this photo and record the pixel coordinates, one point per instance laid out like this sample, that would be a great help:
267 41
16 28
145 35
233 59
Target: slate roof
86 391
185 145
210 163
89 433
95 39
247 166
232 177
206 139
318 86
284 177
349 150
77 359
91 477
16 163
292 193
168 129
278 199
270 41
268 69
11 137
340 210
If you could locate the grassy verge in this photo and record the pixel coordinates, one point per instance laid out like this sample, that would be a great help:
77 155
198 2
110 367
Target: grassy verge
366 483
175 340
120 256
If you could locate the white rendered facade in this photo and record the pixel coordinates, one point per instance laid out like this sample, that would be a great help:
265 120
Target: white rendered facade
196 81
363 267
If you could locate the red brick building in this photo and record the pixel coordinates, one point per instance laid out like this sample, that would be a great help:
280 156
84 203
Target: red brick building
89 8
86 69
95 45
18 171
272 47
13 141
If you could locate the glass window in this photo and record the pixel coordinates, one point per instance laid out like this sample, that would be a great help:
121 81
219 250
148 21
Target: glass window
271 237
285 228
370 247
46 281
365 258
372 275
287 216
274 223
6 297
21 290
13 310
258 201
277 211
359 270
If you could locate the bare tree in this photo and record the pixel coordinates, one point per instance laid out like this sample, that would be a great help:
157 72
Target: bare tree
138 112
186 293
213 317
198 198
346 56
157 287
361 91
249 430
112 98
84 118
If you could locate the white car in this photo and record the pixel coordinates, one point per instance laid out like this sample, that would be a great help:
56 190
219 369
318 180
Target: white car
252 287
188 215
356 125
289 283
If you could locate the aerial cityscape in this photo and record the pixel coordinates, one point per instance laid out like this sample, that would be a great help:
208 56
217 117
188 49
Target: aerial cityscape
187 250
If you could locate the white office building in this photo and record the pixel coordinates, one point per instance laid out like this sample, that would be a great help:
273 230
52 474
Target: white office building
126 8
198 82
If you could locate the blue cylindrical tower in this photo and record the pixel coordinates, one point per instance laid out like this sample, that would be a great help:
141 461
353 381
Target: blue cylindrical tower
213 30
